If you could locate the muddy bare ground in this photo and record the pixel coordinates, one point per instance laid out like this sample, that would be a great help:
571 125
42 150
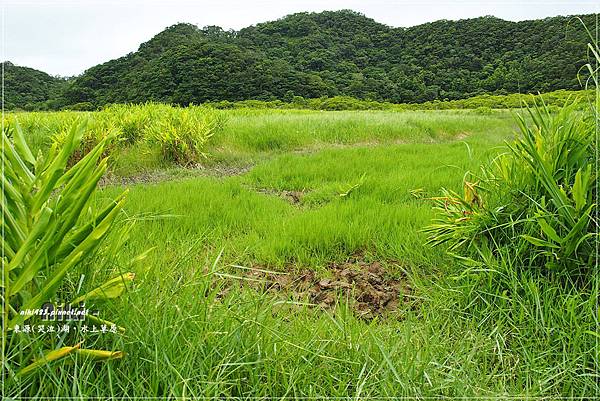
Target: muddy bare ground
367 287
157 176
294 197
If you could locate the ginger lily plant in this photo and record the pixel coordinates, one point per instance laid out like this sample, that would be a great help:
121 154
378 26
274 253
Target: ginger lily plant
48 230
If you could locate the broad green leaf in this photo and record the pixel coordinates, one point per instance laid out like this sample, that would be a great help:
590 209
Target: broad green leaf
539 242
578 230
111 289
12 158
39 228
82 233
85 247
55 170
580 187
21 145
549 231
47 358
101 354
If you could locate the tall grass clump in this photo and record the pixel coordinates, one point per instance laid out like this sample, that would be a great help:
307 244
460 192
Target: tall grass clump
50 230
525 234
537 200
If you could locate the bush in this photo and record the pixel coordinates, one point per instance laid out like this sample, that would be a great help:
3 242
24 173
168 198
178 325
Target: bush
536 202
130 120
483 110
83 106
182 134
481 103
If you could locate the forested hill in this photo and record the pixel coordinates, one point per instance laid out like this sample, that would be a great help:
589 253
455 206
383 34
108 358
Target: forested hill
342 53
26 88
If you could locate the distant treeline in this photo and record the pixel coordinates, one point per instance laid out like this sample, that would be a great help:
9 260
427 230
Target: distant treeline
482 102
554 99
29 89
327 54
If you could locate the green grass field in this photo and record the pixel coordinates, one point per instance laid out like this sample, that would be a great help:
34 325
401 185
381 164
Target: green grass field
286 192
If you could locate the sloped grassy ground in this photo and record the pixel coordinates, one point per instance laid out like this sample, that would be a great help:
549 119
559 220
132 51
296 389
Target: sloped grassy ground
287 192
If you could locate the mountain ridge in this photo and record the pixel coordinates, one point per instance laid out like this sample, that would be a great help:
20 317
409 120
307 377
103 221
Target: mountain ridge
340 53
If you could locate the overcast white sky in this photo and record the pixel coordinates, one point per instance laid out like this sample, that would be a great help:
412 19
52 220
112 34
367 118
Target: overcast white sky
65 37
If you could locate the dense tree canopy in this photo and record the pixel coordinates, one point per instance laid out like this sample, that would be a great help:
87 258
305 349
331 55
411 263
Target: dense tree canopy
26 88
336 53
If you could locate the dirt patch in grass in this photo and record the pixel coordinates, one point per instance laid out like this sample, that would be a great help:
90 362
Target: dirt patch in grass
141 178
294 197
174 174
223 170
366 286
